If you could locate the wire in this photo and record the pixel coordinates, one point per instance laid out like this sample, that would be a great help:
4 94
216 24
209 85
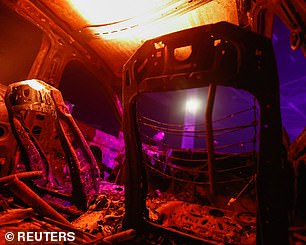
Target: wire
200 133
231 115
173 177
187 169
197 169
192 182
233 169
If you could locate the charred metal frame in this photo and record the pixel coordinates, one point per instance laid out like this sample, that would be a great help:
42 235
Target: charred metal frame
242 60
22 98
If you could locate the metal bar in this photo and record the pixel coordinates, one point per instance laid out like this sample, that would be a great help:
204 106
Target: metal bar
210 137
29 197
23 175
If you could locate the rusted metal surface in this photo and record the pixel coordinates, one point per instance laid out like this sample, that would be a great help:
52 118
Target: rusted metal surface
208 222
105 216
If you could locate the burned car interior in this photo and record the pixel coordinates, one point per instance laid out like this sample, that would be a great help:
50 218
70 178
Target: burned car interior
166 125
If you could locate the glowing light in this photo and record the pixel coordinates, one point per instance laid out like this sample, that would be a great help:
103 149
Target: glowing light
105 11
34 84
140 19
193 105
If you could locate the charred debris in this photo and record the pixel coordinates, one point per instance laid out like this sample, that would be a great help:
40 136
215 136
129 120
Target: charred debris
237 192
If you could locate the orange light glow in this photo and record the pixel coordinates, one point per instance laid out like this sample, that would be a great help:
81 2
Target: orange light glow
144 19
109 11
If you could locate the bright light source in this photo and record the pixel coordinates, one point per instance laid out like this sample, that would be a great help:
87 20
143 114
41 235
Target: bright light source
192 105
144 19
34 84
128 18
105 11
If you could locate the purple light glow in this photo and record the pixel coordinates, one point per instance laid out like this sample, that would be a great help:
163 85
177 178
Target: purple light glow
292 75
